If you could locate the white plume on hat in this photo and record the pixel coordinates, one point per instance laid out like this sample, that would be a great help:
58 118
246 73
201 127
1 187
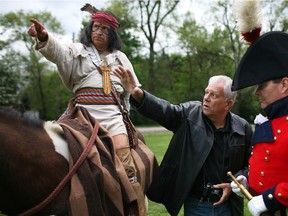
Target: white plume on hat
266 57
248 15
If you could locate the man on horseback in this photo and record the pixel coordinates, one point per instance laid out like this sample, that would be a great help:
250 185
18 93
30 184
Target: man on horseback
86 68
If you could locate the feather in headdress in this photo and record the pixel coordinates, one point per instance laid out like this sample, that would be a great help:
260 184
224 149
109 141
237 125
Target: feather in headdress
89 8
105 18
249 18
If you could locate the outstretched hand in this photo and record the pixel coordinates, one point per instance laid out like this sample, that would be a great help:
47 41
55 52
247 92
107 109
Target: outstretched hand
129 83
37 30
126 79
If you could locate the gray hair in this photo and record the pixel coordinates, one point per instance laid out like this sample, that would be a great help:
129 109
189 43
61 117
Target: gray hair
227 81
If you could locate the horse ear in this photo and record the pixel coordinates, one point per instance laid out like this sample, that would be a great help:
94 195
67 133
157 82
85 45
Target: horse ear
89 8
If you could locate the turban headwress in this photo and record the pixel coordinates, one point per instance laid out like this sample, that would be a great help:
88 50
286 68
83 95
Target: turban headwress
105 19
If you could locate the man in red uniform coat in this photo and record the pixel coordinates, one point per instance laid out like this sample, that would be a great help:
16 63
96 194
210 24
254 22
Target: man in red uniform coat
265 64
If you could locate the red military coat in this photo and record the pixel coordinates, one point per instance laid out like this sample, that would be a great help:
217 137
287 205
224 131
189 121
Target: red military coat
268 166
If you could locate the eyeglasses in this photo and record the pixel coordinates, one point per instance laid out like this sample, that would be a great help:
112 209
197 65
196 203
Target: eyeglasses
103 29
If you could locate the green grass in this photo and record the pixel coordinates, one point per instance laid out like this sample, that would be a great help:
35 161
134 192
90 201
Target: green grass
158 143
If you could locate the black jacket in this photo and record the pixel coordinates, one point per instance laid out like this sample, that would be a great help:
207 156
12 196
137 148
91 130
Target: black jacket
189 148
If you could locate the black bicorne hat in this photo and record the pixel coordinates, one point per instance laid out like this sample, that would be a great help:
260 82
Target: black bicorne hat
266 59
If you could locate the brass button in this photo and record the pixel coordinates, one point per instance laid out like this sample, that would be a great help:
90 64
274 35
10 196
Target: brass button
260 184
275 137
270 196
251 153
266 159
262 173
279 195
287 118
278 131
267 152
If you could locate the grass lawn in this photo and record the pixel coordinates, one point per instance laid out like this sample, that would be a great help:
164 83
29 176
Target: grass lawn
158 143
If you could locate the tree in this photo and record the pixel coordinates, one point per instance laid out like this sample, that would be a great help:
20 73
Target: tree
130 41
276 15
152 15
34 67
10 82
207 54
56 95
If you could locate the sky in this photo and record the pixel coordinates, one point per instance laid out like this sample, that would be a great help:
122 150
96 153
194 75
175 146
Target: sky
68 11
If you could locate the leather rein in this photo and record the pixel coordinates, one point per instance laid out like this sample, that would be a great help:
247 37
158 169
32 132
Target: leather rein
69 175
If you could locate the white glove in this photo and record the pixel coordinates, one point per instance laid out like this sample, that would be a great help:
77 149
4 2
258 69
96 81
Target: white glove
257 206
242 180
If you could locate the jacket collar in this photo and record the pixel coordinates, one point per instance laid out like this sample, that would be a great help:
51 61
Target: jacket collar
226 126
277 109
264 132
233 122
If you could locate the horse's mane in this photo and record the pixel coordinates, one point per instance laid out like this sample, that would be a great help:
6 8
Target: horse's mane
14 115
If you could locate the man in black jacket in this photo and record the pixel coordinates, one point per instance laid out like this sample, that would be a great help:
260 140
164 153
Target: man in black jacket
208 141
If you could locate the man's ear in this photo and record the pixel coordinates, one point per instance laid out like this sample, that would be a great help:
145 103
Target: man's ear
285 84
229 104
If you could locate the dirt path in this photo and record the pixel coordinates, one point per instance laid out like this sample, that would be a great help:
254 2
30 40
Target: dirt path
155 129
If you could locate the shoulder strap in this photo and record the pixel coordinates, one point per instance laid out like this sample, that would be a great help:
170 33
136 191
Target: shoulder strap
131 131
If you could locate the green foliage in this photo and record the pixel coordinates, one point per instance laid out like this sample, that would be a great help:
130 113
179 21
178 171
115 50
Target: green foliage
59 95
32 68
173 77
10 79
29 82
56 97
248 107
130 41
203 54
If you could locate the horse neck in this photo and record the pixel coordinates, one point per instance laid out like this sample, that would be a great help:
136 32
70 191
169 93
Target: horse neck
29 166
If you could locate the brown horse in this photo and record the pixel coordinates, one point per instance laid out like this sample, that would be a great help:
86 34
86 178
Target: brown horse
34 160
30 168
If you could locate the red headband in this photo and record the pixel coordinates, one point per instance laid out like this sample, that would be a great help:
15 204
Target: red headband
105 19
